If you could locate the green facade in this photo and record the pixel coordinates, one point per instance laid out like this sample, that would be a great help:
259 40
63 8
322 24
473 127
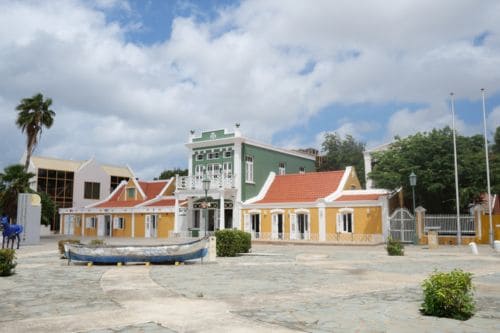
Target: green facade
213 135
213 149
265 161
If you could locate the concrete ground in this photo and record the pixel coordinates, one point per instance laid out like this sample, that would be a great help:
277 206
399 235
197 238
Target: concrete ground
280 288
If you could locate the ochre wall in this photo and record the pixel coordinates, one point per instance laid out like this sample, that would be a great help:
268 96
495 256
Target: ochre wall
266 219
352 182
367 220
127 230
139 225
90 232
485 224
165 224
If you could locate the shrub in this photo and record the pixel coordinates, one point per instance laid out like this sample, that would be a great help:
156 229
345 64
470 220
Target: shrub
231 242
448 295
96 242
60 244
395 247
7 263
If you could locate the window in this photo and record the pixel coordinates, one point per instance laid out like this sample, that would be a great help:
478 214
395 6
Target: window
91 190
281 169
302 170
249 169
131 193
255 225
115 181
90 222
198 171
213 156
227 154
227 168
345 222
118 223
199 157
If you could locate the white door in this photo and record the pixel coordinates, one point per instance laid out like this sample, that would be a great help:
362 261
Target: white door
100 226
247 226
307 227
154 226
274 230
69 227
147 225
293 226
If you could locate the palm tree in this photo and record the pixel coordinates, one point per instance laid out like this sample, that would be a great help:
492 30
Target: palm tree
34 114
13 180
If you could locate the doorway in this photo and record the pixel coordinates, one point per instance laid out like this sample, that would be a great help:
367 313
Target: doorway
303 226
107 225
151 226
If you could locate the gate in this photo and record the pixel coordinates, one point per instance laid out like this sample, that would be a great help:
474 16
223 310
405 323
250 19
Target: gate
402 226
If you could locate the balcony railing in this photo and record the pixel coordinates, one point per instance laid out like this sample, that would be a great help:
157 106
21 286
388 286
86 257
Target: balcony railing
195 182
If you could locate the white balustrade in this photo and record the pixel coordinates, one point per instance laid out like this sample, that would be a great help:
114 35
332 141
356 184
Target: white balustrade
217 181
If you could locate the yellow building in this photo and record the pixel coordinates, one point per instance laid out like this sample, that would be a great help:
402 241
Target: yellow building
133 209
320 206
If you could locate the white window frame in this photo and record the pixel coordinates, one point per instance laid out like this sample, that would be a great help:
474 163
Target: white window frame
302 170
119 223
249 169
282 168
228 154
135 193
342 223
91 222
200 157
227 168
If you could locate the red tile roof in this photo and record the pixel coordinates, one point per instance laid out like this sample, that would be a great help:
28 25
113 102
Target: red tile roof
162 203
307 187
358 197
151 189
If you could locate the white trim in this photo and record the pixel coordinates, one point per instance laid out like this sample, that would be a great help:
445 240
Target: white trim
277 211
122 183
217 142
341 186
263 191
301 211
139 188
346 210
253 211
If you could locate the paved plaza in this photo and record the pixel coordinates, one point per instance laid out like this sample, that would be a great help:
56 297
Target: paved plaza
280 288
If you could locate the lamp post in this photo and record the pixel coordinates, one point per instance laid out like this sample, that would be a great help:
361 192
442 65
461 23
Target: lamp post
487 172
206 187
413 182
459 229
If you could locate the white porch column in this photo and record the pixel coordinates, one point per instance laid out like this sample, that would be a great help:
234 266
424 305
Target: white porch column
221 212
61 224
83 224
322 222
133 225
176 217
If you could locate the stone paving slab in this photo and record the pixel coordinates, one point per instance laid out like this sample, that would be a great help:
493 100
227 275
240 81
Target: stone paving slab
287 288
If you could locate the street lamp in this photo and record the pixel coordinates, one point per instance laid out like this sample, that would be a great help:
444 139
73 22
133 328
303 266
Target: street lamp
206 187
413 182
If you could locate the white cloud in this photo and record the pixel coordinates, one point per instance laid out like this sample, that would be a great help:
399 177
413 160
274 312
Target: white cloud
493 119
131 103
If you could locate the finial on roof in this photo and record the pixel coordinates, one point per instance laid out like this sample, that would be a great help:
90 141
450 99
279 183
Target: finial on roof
237 125
192 132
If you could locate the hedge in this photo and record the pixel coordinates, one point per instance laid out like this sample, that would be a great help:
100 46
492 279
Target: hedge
231 242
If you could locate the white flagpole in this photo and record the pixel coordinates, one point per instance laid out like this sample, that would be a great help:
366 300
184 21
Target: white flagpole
487 170
459 229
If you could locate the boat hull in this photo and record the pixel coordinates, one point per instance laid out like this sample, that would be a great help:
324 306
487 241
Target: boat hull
124 254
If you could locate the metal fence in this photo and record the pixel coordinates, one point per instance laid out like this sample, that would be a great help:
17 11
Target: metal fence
446 225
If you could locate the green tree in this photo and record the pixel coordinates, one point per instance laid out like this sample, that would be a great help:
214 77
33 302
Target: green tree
48 209
341 153
167 174
13 180
495 163
496 145
430 156
34 114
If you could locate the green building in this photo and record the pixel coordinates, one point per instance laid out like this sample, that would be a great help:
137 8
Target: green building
238 168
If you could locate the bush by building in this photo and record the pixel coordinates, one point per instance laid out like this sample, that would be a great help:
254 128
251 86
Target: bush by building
7 262
448 295
395 247
232 242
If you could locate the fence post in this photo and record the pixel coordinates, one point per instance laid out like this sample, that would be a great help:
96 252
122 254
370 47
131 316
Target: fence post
478 225
420 220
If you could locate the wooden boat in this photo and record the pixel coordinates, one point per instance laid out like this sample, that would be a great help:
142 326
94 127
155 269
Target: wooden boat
109 254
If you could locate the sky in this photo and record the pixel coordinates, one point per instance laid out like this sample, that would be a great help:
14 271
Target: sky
130 79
